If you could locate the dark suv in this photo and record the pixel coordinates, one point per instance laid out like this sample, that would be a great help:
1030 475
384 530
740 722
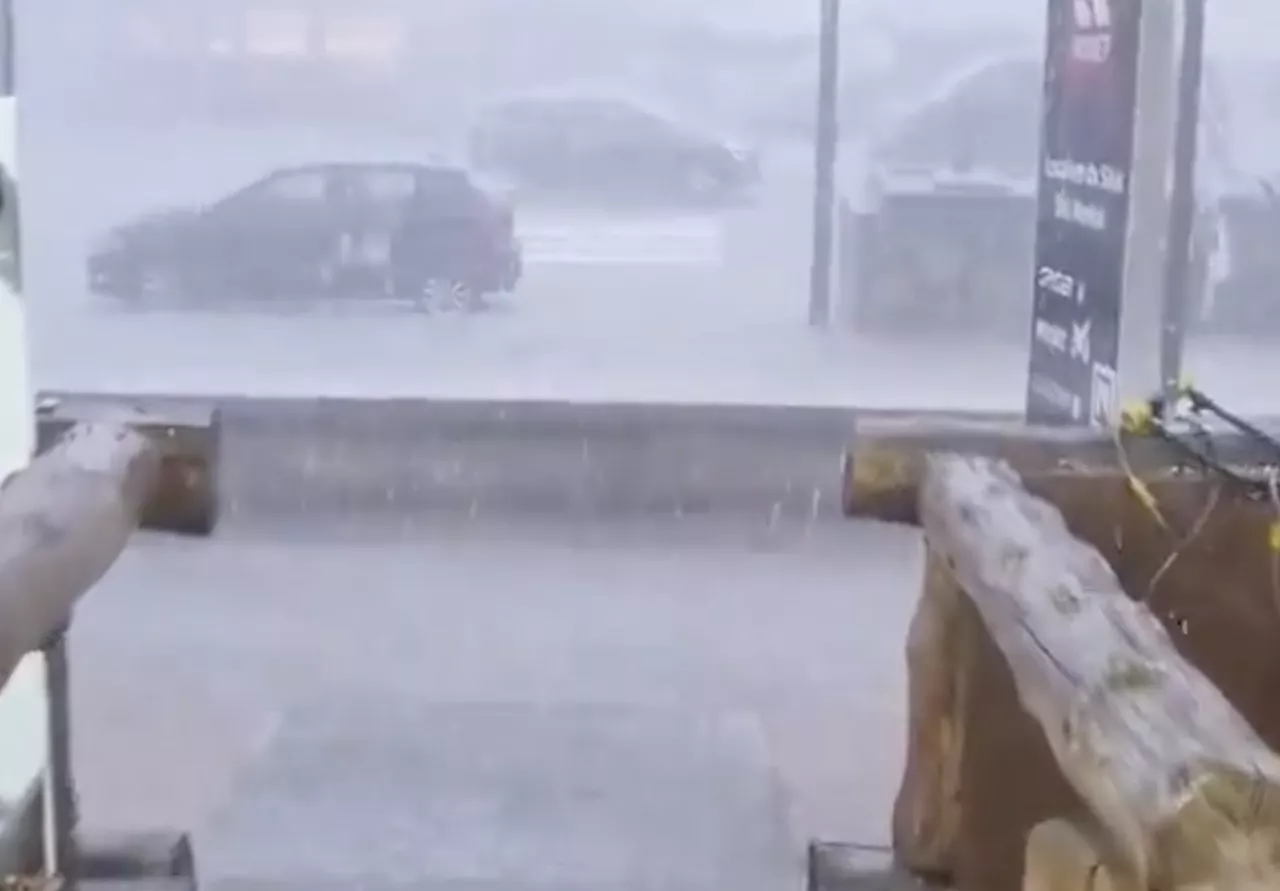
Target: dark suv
609 150
941 229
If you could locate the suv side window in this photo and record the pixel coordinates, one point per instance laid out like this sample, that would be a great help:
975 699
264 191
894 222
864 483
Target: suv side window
623 126
578 129
386 187
1003 104
924 138
295 187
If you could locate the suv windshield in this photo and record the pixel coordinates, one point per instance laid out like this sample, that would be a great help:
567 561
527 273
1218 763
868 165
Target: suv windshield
985 119
1243 134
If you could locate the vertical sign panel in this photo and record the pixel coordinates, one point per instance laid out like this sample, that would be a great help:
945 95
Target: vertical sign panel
1086 153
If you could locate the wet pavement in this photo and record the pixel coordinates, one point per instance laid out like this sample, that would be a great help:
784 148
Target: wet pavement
500 705
616 305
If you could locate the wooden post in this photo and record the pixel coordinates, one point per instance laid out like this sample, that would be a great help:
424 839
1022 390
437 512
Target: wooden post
927 811
1063 856
187 435
63 521
1182 787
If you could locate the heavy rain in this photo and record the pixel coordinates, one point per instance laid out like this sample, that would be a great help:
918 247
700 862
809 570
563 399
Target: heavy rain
671 285
530 572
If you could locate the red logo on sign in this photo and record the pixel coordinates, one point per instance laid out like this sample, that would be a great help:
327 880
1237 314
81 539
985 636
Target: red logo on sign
1091 43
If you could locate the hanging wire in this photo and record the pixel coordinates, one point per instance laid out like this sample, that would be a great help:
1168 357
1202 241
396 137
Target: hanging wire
1273 534
1202 403
1193 534
1197 446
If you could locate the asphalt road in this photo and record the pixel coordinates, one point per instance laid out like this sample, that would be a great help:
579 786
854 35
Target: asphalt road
495 706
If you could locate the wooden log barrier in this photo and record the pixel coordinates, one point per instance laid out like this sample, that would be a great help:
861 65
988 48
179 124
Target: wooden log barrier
1182 788
63 521
188 436
884 466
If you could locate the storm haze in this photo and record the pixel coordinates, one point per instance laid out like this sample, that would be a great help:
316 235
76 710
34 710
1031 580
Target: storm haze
142 107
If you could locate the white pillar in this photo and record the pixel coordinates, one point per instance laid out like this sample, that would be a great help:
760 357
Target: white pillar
17 399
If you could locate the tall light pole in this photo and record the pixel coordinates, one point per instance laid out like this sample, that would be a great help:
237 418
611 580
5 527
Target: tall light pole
1184 280
824 164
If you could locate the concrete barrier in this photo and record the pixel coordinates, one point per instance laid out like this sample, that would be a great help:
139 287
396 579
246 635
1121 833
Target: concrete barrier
338 457
348 457
345 456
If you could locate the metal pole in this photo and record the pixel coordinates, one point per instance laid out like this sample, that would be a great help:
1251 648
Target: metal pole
60 797
1142 309
1185 281
8 47
824 162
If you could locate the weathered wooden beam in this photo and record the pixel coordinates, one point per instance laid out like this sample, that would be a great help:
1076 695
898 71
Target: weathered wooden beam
1187 793
884 465
188 436
63 521
927 810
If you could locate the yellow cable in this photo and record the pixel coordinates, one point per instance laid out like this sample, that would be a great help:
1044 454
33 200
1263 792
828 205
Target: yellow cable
1273 530
1136 420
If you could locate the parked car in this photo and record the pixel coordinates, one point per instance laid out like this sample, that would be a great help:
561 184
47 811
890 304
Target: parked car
324 230
940 229
608 149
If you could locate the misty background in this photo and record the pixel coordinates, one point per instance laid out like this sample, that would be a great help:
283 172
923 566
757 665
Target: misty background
136 106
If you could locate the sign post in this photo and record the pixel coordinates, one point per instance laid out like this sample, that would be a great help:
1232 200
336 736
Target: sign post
1106 138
